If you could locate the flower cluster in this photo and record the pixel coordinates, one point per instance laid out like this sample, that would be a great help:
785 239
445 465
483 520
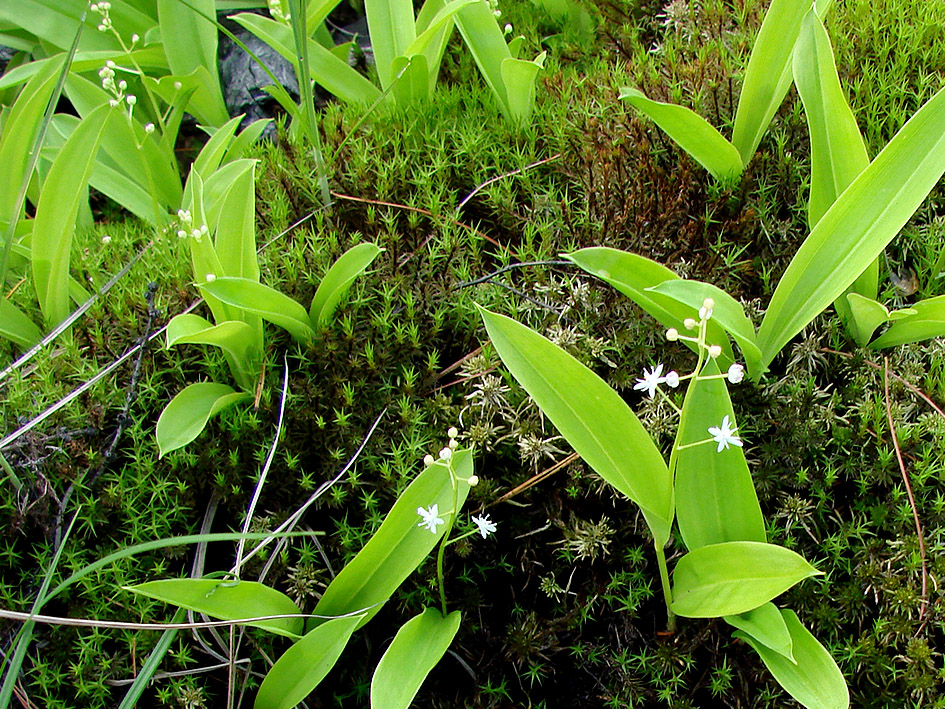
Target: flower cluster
276 11
724 434
430 516
116 88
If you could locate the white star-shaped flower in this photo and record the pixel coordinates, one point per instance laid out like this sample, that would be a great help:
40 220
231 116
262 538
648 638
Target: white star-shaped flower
724 435
430 518
651 379
486 526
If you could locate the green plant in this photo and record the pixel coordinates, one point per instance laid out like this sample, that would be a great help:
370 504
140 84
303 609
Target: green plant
356 594
730 570
767 80
219 224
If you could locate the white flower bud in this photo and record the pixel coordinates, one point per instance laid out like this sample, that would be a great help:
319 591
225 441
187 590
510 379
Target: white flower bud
131 99
196 233
181 234
94 7
210 277
135 38
453 432
184 215
508 28
714 351
690 324
103 27
178 86
110 64
453 444
446 454
149 128
708 303
122 85
473 480
672 379
106 240
736 373
672 334
428 460
113 103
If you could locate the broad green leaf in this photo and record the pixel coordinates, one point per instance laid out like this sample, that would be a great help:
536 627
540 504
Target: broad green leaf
234 337
316 12
328 71
813 679
64 188
715 495
392 28
859 225
691 132
486 43
734 577
413 80
633 275
245 140
766 625
865 316
151 57
519 77
351 264
590 415
19 131
838 153
433 45
228 600
261 300
190 44
211 155
15 326
305 664
927 320
187 414
235 224
768 76
400 545
55 21
419 644
727 312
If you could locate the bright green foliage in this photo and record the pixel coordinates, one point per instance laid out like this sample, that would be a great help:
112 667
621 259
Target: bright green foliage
187 413
814 679
766 625
228 600
419 644
715 495
734 577
305 664
591 416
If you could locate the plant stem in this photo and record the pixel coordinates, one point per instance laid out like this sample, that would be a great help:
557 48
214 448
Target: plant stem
667 591
445 540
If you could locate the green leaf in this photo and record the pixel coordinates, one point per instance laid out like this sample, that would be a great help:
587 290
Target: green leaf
590 415
866 315
190 44
486 43
235 225
234 337
187 414
419 644
392 27
691 132
261 300
766 625
246 139
329 71
65 187
15 326
734 577
715 495
727 312
305 664
351 264
211 155
400 545
519 77
228 600
813 679
768 76
859 225
838 153
633 275
925 321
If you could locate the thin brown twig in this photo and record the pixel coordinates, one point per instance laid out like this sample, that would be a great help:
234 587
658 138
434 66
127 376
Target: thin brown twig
419 210
905 479
535 479
502 177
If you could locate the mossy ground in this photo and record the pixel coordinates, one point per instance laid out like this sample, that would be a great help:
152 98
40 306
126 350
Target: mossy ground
561 607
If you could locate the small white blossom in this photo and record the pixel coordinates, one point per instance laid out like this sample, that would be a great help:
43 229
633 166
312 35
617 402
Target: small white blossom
724 435
714 351
473 480
651 379
486 526
672 379
178 86
430 518
446 454
113 103
736 373
184 215
453 432
508 28
453 444
181 234
690 323
106 240
211 277
672 334
135 38
149 128
705 312
428 460
131 99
